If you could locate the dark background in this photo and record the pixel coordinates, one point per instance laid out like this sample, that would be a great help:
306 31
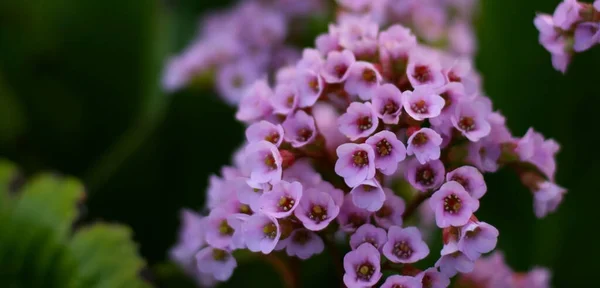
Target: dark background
79 94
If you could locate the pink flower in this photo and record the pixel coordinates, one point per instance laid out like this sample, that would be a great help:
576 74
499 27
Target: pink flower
389 151
311 60
422 103
265 160
425 144
597 5
358 34
216 262
352 217
424 69
566 14
387 103
396 42
261 233
471 179
356 163
285 99
266 131
452 205
326 43
368 234
362 80
470 118
432 278
547 198
368 195
317 209
424 177
304 244
390 213
282 200
337 66
310 86
362 267
533 148
255 103
359 121
405 245
454 261
219 232
484 155
586 36
477 238
452 93
395 281
300 129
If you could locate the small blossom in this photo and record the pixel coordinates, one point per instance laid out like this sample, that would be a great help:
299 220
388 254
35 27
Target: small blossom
425 144
429 21
405 245
452 205
368 195
255 103
285 99
422 103
536 278
362 80
387 103
477 238
484 155
390 213
337 66
265 160
311 60
235 221
261 233
395 281
219 232
586 36
470 118
356 163
452 93
317 209
470 178
396 42
423 69
216 262
362 267
566 14
304 243
300 129
454 261
424 177
547 198
533 148
389 151
192 237
352 217
281 201
326 43
266 131
432 278
358 34
359 121
249 192
368 234
310 86
233 79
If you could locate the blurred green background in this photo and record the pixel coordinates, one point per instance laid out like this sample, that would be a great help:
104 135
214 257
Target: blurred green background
79 94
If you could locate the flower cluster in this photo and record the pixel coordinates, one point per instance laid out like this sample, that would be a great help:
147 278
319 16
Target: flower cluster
492 271
442 23
235 49
331 137
574 27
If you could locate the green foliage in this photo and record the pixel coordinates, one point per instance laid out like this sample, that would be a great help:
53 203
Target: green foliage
38 247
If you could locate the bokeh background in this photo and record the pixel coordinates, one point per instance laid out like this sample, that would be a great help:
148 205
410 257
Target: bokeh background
80 94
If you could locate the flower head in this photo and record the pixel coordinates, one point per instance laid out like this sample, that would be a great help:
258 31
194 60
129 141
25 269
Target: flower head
387 103
351 217
432 278
356 163
285 99
368 233
281 201
261 233
424 177
405 245
470 178
389 151
452 205
454 261
395 281
484 155
470 118
533 148
390 213
422 103
265 160
362 266
547 198
266 131
477 238
396 43
368 195
423 69
425 144
337 66
304 243
586 36
317 209
362 80
216 262
566 14
359 121
219 232
255 103
310 86
300 129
